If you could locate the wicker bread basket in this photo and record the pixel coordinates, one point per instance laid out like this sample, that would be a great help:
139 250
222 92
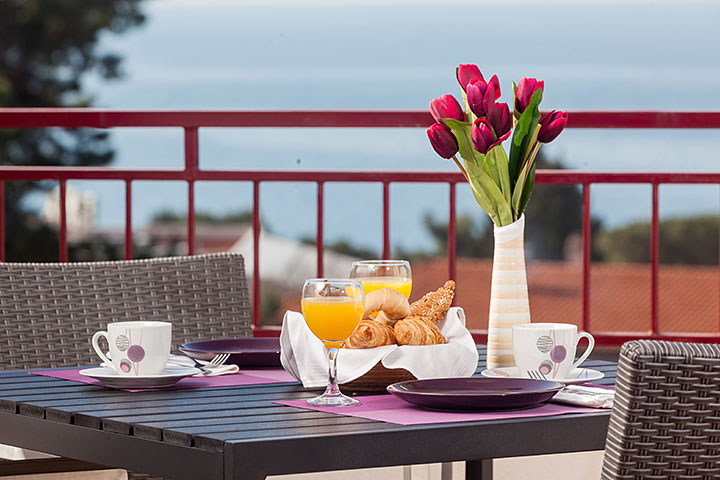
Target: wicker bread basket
377 379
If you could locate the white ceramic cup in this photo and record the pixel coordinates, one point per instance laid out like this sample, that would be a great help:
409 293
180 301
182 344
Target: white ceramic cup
136 348
548 348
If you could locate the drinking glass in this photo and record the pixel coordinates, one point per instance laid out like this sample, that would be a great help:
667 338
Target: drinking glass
377 274
332 309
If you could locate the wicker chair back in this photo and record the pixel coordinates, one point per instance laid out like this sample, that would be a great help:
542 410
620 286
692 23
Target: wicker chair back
665 423
49 311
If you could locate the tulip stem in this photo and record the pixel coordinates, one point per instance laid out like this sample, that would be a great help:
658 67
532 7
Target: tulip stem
461 168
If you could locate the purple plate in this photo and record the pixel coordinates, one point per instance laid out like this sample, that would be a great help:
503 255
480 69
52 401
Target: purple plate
475 393
244 352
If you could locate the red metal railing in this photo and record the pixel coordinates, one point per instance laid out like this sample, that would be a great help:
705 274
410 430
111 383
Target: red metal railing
190 121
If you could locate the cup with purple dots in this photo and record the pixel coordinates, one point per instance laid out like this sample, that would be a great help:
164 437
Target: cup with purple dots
548 348
135 348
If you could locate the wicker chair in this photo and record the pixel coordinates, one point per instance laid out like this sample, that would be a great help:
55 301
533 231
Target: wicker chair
665 423
49 311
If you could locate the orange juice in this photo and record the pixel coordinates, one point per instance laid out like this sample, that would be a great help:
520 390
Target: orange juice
401 284
333 320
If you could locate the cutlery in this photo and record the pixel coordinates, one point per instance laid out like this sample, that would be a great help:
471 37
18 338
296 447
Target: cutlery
206 367
536 375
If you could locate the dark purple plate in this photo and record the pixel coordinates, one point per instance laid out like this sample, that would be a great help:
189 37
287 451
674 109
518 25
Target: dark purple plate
475 393
244 352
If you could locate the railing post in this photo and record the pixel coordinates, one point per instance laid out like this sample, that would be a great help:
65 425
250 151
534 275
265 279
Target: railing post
63 222
2 221
191 169
256 255
128 220
452 235
586 253
319 239
654 261
386 221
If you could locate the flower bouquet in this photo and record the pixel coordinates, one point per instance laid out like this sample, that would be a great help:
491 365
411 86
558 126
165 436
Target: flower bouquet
500 184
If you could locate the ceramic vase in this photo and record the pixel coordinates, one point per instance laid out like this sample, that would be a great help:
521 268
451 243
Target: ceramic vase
509 303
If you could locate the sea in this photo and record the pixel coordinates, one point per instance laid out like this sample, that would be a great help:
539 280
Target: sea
385 55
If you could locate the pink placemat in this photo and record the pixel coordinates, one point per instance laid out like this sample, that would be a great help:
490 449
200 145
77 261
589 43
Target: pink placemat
243 377
386 408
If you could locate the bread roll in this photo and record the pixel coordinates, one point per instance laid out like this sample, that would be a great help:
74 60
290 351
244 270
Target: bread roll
434 305
417 331
389 301
370 334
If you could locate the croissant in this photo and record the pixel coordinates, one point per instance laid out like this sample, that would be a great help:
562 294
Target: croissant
434 305
387 300
417 331
370 334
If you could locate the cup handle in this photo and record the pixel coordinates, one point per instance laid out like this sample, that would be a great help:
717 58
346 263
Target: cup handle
588 350
96 346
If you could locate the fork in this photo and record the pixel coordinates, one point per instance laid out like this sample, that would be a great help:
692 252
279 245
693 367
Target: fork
536 375
217 360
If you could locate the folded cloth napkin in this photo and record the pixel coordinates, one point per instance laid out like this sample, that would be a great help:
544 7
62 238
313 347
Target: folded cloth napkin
585 396
303 355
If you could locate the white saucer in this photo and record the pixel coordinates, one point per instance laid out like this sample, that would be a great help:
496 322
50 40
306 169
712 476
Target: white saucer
578 375
169 377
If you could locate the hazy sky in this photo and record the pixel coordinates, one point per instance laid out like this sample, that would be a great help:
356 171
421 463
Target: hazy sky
617 55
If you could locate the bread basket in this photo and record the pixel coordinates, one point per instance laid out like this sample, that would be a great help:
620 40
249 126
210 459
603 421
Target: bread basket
377 379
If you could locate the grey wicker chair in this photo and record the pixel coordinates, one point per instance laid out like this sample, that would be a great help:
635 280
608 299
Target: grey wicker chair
665 423
49 311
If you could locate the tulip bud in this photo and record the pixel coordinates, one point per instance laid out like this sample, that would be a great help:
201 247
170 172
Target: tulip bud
496 84
500 119
467 73
525 90
442 140
480 96
482 135
446 106
551 124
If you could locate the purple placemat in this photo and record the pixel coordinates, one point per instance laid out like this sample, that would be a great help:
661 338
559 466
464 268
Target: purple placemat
243 377
386 408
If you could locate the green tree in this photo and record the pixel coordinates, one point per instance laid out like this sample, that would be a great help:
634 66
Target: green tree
690 241
46 48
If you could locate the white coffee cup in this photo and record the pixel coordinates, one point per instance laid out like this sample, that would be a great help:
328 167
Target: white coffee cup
548 348
136 348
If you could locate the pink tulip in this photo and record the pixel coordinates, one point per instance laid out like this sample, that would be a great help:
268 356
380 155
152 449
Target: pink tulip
482 135
467 73
442 140
500 119
525 90
446 106
551 124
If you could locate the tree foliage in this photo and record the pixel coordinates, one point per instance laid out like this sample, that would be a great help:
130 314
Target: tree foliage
46 48
690 241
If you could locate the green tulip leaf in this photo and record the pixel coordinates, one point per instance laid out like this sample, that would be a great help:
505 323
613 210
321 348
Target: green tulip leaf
461 130
527 190
521 139
497 161
482 182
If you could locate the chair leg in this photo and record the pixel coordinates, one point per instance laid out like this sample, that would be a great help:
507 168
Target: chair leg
446 471
479 470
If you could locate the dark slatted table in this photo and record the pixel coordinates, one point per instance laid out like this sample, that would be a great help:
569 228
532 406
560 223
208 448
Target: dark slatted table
239 433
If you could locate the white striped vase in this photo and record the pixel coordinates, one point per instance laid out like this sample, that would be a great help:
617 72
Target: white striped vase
509 303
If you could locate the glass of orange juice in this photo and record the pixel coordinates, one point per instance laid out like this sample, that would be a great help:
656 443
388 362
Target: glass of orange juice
332 309
377 274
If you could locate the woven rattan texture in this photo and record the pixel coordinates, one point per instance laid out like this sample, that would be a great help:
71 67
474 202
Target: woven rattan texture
377 379
665 423
49 311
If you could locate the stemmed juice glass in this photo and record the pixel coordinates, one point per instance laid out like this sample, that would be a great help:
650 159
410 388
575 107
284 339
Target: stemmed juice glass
377 274
333 309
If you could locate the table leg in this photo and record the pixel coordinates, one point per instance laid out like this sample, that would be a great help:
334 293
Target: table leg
479 470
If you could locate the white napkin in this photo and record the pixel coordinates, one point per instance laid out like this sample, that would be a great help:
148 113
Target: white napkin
303 354
584 396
